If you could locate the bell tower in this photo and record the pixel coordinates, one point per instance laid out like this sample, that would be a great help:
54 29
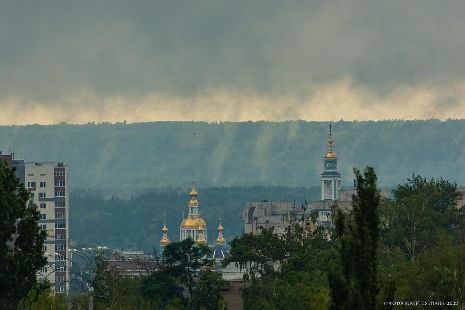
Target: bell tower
330 178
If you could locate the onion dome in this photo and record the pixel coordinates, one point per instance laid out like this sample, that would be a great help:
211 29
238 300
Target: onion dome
193 223
193 192
220 239
164 239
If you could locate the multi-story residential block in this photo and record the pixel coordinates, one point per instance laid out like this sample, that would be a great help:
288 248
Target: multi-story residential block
48 184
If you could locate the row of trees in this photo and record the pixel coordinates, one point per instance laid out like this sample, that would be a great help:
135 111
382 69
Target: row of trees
183 279
409 248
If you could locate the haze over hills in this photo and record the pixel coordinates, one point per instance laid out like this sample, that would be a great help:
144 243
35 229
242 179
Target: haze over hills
166 154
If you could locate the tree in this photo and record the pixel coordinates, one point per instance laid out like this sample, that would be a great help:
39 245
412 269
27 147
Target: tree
21 240
282 268
184 260
161 289
207 291
420 212
259 254
112 289
357 287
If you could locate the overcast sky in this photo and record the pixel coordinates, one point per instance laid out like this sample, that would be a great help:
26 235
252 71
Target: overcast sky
80 61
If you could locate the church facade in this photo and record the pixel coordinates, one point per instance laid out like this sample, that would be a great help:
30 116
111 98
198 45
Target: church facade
195 228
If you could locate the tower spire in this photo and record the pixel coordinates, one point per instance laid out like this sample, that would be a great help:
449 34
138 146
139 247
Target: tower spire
220 239
330 153
330 178
193 192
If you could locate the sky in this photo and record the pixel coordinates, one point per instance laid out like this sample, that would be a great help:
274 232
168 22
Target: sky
220 60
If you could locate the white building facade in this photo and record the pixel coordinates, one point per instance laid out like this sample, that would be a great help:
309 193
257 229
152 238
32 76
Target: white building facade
48 185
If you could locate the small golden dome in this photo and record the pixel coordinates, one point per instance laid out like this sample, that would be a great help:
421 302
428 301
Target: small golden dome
220 239
193 202
330 154
193 223
164 240
193 192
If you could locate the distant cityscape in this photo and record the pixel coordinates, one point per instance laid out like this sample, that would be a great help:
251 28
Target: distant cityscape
48 184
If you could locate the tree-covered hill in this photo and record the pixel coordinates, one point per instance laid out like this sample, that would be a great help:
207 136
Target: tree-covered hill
163 154
136 223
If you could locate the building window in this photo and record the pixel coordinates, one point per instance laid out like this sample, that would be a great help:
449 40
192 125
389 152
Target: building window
60 236
60 183
43 226
44 248
43 216
60 279
60 204
59 172
60 225
43 184
62 268
59 247
59 215
60 289
31 184
43 269
60 194
42 195
43 205
32 195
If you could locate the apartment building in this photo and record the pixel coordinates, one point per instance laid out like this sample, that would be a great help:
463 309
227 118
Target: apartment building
48 184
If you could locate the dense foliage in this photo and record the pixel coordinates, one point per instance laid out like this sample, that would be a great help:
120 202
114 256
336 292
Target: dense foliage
410 248
21 240
423 249
356 286
132 157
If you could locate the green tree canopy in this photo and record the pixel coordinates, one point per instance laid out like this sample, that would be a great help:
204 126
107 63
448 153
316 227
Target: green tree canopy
184 260
21 240
357 233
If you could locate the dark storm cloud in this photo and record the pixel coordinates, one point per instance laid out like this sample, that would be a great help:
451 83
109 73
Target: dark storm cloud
55 50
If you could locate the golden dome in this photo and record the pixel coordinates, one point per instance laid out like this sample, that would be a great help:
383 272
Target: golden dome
193 223
164 240
193 202
220 238
193 192
330 154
